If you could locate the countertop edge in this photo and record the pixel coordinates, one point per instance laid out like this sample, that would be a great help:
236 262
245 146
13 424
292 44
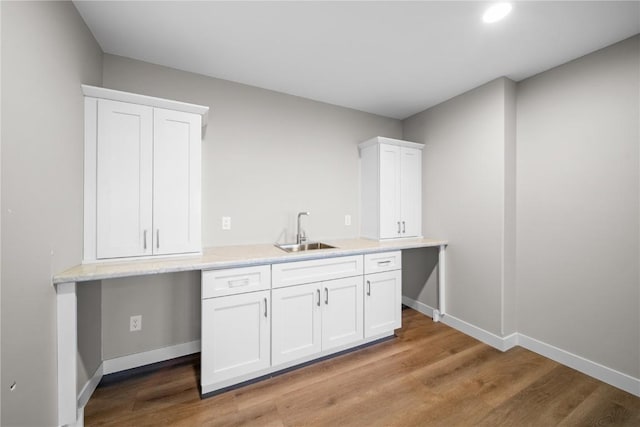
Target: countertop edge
210 260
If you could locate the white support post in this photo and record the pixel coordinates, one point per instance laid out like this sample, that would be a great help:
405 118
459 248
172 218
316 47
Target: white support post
440 311
67 337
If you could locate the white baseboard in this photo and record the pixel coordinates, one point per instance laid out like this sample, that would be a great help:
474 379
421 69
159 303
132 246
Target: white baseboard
148 357
610 376
495 341
90 387
593 369
418 306
486 337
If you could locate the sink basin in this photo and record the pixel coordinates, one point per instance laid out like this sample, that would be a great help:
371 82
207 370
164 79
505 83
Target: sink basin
311 246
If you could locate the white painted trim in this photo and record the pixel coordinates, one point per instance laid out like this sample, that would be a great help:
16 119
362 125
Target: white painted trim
610 376
67 349
390 141
90 178
88 389
593 369
500 343
442 269
148 357
418 306
151 101
79 419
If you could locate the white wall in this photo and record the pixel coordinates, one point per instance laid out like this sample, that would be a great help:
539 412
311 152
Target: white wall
577 207
266 156
47 52
465 197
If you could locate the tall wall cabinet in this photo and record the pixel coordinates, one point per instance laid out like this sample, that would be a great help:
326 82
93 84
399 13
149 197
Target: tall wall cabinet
391 188
142 175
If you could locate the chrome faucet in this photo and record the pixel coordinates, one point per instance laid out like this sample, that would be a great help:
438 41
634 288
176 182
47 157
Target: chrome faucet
300 236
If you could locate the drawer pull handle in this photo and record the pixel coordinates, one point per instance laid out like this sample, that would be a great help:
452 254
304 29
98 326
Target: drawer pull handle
398 227
265 307
326 295
368 287
403 228
239 282
318 297
381 263
145 240
158 238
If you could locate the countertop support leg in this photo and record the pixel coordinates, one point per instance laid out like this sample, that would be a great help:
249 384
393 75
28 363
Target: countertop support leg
67 343
440 311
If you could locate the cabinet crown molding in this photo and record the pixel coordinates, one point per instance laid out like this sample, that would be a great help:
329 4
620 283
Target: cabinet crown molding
150 101
389 141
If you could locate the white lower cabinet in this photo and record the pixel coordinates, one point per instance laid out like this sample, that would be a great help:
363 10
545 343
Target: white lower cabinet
236 329
255 323
296 324
382 293
236 339
315 317
342 312
382 302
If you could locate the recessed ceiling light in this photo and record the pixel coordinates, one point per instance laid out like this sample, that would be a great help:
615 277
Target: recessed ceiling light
496 12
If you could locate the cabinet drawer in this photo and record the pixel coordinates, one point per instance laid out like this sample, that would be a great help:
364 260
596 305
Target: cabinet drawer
383 261
216 283
316 270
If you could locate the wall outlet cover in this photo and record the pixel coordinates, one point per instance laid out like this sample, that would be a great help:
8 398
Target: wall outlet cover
226 223
135 323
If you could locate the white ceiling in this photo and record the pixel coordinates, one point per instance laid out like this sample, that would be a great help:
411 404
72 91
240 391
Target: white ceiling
385 57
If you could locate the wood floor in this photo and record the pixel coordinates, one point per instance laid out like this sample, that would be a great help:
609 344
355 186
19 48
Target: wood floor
430 375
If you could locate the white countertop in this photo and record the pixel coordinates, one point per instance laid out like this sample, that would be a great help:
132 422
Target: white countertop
231 256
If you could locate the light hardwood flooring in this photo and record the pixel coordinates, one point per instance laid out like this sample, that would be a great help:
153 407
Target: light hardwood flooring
430 375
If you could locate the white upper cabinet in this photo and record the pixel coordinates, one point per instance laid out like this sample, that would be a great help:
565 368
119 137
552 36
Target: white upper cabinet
124 179
142 175
391 188
176 182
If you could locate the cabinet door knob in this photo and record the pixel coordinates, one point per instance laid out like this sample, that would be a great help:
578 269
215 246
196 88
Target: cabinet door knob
368 287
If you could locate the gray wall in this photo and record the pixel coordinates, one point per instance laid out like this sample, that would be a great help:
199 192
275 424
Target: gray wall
47 51
465 197
170 309
266 156
577 204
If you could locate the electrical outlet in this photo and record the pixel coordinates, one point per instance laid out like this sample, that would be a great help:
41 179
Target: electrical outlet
347 220
135 323
226 223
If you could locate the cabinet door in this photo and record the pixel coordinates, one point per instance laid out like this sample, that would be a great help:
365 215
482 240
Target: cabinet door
341 312
382 302
235 336
124 180
296 327
390 226
176 182
411 192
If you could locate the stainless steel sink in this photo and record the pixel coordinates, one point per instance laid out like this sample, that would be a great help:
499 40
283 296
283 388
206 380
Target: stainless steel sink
301 247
